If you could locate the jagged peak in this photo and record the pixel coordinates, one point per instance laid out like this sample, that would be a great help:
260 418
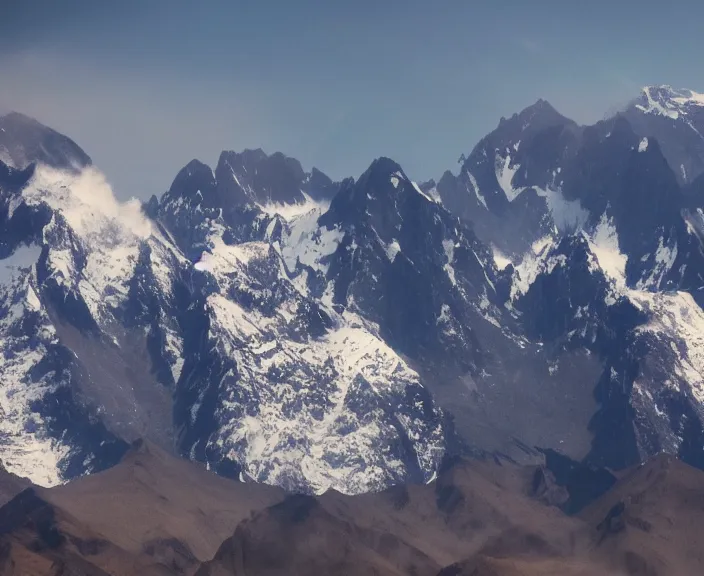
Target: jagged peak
194 177
254 154
317 175
530 121
251 158
246 157
383 166
541 112
386 177
375 191
254 176
541 105
193 168
245 165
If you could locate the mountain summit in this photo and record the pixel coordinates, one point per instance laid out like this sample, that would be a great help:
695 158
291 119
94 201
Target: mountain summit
24 140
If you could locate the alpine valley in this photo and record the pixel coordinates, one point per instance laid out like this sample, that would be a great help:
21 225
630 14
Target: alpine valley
281 328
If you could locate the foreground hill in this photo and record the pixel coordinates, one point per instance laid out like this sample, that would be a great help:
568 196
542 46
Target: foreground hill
154 514
151 514
651 521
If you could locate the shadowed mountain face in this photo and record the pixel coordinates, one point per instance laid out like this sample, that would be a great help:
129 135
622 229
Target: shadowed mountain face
157 515
23 140
253 176
10 485
530 148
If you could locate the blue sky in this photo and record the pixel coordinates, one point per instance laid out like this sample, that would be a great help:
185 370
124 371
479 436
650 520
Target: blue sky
145 86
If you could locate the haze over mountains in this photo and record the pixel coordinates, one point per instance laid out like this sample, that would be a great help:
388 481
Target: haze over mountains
315 335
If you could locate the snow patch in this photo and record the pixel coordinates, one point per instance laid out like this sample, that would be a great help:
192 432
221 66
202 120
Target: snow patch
309 244
392 250
678 317
504 175
538 247
643 146
449 248
500 259
275 442
423 194
434 195
204 263
477 192
653 106
604 245
530 266
690 97
567 215
664 260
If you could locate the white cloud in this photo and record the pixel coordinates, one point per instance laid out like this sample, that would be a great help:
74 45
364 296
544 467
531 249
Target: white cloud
87 201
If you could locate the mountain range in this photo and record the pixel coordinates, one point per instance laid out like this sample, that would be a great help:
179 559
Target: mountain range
285 329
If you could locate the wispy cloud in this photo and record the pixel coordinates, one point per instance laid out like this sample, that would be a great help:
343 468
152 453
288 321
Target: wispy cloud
530 45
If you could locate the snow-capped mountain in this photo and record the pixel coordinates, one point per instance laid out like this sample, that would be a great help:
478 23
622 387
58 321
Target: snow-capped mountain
287 329
279 381
675 118
197 329
615 268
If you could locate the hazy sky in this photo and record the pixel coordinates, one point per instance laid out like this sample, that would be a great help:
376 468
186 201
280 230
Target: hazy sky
146 85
